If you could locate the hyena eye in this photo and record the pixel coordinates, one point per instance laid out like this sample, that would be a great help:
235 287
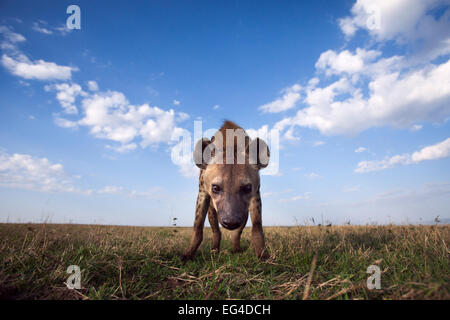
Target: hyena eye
246 189
216 189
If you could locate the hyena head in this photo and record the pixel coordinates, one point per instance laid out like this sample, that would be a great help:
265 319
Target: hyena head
230 164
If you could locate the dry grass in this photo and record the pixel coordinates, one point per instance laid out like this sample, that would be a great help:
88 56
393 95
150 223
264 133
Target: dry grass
143 263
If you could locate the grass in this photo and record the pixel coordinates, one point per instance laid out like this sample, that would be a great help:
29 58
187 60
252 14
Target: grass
315 262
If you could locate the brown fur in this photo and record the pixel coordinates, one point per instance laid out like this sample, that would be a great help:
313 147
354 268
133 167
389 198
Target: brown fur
231 205
222 133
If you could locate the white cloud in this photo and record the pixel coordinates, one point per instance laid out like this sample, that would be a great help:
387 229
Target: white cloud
188 169
181 155
262 133
345 62
39 69
216 107
154 193
43 27
360 149
365 88
395 99
305 196
289 135
64 123
159 129
66 95
318 143
181 116
267 194
436 151
176 102
368 166
110 116
312 175
37 26
92 85
62 29
275 193
10 36
23 171
111 190
386 20
24 83
123 148
286 102
153 92
20 65
433 152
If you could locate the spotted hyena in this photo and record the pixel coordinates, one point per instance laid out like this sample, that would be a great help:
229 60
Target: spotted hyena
229 187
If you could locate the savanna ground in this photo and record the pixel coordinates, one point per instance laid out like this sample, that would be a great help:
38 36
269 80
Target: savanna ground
307 262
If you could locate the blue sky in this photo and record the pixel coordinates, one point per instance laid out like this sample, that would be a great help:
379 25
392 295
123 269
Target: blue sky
359 91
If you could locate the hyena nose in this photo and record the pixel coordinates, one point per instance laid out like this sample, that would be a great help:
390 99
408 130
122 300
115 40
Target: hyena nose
230 224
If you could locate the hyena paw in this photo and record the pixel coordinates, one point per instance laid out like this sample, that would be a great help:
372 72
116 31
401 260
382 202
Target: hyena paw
263 256
186 257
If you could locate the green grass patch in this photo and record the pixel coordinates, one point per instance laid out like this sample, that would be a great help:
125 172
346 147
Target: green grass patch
144 263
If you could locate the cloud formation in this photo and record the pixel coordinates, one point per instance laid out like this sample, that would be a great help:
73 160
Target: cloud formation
92 85
287 101
22 171
433 152
355 90
305 196
66 95
109 115
26 172
386 20
21 66
40 26
345 61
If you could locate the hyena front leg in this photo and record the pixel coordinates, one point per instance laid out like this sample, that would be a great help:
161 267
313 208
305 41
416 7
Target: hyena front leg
197 234
217 235
257 230
236 237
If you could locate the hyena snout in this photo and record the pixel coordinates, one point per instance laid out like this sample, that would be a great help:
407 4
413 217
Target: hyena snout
231 222
232 212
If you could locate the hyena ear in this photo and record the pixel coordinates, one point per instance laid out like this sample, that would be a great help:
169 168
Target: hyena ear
259 153
199 149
